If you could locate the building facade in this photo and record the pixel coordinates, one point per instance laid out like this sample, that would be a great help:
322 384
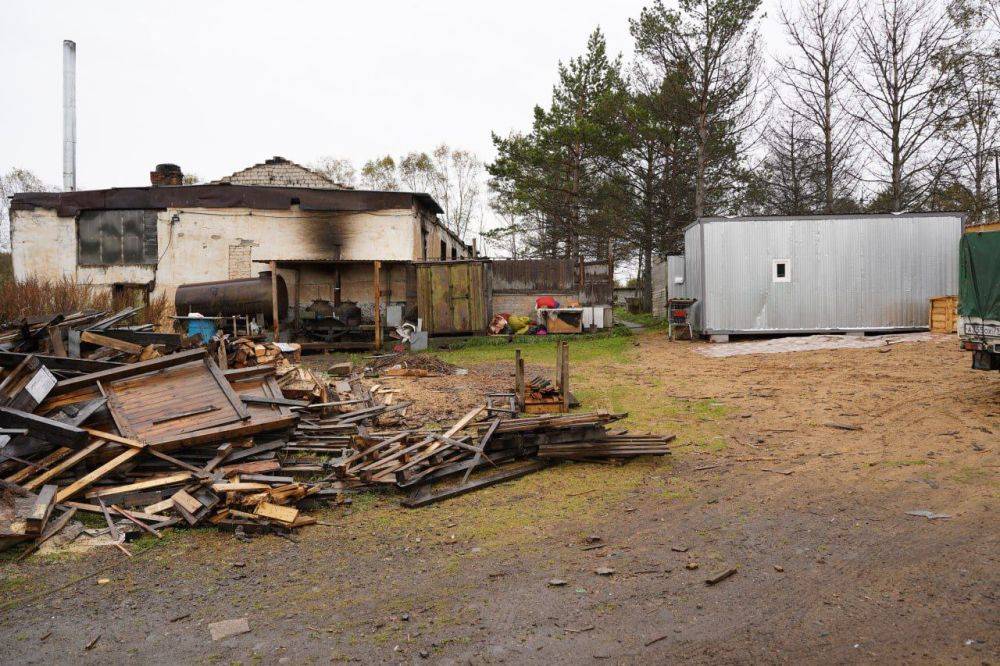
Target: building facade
159 237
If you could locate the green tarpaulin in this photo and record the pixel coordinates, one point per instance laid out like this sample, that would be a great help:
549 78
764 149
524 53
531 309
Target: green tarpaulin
979 275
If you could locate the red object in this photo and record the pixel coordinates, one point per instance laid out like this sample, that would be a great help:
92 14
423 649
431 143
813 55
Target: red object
546 302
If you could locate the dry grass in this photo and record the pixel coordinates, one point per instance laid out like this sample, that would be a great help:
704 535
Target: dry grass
35 297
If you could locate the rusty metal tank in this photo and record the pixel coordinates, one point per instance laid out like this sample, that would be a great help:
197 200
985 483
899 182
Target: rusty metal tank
226 298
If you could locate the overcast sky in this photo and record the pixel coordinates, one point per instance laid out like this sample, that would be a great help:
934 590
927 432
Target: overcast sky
217 86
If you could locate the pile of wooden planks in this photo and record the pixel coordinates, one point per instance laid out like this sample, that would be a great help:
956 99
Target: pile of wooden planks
176 440
169 441
89 335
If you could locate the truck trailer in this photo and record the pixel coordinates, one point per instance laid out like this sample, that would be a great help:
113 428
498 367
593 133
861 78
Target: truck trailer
979 298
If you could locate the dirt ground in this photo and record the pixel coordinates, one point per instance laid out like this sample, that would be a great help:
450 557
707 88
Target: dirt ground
831 569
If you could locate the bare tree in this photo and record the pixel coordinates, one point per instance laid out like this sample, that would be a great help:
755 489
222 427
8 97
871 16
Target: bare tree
380 174
459 187
975 129
337 169
13 182
418 173
815 77
903 102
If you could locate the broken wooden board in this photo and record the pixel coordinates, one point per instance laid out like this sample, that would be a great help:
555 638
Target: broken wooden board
170 403
284 514
423 498
45 501
44 428
129 370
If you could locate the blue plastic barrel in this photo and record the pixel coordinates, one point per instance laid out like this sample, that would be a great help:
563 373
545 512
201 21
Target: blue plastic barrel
206 327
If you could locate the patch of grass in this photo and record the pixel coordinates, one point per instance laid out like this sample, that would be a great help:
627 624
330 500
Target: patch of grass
904 462
541 350
646 319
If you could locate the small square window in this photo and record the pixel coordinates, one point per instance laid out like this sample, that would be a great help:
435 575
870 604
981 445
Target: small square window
781 271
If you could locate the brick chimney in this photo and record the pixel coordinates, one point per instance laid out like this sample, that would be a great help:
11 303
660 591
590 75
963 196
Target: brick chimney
166 174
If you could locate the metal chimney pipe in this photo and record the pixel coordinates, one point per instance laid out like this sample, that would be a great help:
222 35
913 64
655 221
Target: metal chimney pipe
69 115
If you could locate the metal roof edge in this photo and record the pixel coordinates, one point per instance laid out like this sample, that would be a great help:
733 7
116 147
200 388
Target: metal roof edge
763 218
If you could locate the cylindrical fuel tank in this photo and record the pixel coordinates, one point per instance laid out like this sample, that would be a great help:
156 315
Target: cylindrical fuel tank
225 298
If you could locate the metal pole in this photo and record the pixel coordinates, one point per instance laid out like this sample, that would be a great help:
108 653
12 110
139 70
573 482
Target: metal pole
69 115
996 177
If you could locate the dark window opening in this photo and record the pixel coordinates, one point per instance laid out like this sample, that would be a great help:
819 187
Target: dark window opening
454 253
779 270
444 250
116 237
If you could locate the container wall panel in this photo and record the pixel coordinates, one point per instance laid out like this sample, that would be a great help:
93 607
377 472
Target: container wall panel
848 273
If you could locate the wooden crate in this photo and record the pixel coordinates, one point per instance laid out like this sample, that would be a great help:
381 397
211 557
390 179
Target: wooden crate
944 314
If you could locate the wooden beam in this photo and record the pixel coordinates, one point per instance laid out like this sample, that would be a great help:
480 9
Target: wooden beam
274 299
377 280
129 370
44 463
42 509
155 482
64 465
9 359
40 427
504 474
113 343
96 474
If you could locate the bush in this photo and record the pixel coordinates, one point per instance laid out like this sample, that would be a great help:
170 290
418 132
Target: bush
35 297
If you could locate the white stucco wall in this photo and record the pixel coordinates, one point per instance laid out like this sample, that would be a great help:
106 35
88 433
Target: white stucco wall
209 244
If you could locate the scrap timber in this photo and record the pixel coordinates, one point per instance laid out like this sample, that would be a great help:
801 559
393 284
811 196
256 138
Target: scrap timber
248 442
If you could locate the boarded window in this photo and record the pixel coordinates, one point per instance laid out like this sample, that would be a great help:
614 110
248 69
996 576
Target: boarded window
116 237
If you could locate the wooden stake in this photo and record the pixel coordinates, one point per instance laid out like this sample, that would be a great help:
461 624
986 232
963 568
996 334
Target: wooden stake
519 380
564 374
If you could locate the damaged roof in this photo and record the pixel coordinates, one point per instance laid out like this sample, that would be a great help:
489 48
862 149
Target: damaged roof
281 172
222 195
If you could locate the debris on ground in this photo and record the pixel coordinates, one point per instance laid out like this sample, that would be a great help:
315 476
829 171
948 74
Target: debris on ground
929 515
408 365
809 343
721 576
227 628
234 434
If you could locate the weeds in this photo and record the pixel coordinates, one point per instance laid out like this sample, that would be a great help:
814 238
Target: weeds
36 297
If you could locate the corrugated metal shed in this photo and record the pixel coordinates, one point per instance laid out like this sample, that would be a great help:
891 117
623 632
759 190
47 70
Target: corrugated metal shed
819 273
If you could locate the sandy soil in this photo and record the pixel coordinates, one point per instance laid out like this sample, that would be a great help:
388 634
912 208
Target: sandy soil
831 569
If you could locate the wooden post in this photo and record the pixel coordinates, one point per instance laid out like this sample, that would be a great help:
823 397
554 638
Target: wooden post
378 305
564 374
519 379
298 295
336 288
274 299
